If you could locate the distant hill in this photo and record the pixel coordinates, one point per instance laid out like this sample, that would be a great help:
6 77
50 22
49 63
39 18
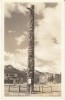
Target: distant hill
9 69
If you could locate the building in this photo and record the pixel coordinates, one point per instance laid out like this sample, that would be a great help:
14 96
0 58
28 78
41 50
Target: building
12 79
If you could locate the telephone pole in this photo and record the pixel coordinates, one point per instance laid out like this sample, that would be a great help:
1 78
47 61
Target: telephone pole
30 74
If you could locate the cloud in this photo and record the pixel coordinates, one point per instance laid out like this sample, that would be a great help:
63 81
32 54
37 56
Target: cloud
48 36
39 7
49 27
17 60
48 47
21 8
13 7
8 9
11 31
20 39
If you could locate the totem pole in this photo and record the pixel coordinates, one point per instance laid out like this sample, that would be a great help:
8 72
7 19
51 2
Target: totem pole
30 73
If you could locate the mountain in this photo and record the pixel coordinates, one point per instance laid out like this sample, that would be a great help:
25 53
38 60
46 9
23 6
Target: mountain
9 69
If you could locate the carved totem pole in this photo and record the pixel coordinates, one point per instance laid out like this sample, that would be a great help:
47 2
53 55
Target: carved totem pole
30 74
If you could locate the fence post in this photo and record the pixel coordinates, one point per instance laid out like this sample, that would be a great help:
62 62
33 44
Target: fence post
42 89
39 87
19 88
9 88
30 90
51 88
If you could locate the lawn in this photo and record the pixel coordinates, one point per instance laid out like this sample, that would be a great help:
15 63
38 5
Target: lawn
49 89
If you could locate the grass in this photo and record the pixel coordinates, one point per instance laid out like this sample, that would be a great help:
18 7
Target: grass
48 89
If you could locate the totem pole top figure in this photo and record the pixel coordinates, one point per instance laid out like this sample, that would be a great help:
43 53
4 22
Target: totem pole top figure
31 8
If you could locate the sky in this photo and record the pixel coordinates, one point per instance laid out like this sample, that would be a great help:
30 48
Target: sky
47 36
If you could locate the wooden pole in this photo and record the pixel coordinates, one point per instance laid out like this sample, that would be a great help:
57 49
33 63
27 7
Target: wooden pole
9 88
19 88
30 74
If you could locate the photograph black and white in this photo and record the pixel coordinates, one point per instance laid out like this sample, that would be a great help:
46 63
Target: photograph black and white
32 49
